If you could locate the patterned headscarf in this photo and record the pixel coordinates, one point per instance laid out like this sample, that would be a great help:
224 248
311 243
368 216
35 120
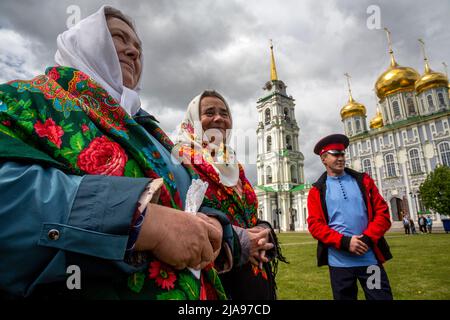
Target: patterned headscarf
94 54
220 155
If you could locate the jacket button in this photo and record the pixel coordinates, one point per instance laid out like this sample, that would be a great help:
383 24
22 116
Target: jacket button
53 234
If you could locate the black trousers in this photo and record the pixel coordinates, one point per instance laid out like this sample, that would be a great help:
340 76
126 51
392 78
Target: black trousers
344 286
406 229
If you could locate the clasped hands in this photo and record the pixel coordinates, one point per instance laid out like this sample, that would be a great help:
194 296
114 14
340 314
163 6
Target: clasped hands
357 246
178 238
259 244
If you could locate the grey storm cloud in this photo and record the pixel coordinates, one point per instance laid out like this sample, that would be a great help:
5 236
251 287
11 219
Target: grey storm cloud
224 45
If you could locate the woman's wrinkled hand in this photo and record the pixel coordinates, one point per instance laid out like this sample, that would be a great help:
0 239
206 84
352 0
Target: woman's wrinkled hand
259 244
178 238
216 242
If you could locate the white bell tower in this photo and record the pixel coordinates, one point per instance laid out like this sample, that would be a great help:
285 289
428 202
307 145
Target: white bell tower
279 160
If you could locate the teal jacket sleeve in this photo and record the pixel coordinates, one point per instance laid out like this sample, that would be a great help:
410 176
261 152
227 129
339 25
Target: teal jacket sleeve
49 219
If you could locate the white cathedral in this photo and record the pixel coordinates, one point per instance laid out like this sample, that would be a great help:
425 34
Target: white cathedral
408 137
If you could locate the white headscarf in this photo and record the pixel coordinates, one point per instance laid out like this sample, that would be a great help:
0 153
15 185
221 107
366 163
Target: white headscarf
225 164
88 47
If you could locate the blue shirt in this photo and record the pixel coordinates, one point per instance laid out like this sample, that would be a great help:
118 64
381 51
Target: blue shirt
347 214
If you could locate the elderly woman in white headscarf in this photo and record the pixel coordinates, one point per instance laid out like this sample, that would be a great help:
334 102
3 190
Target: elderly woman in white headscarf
203 144
86 179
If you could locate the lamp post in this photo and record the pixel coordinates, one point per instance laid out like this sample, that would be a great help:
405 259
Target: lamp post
278 220
277 211
279 186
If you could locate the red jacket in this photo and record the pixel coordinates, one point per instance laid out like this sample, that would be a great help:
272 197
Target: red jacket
378 217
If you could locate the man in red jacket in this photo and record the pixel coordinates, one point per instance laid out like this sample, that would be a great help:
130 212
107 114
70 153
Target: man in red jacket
349 217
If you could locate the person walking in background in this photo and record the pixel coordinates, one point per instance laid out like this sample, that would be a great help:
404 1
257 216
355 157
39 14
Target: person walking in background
422 224
406 224
429 223
412 226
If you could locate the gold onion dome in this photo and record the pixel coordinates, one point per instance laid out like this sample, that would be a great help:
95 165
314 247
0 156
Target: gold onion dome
396 78
429 79
352 108
377 121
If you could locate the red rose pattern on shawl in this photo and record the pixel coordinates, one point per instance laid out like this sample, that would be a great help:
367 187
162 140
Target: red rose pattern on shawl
50 130
84 128
103 156
53 73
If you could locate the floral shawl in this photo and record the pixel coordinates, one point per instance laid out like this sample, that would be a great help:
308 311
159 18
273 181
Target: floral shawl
66 120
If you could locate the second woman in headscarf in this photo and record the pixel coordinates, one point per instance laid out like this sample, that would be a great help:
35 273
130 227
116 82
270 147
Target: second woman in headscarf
203 144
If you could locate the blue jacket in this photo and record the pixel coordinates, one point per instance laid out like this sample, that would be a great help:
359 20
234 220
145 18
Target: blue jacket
91 213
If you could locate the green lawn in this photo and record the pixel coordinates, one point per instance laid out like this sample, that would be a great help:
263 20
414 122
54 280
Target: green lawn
420 268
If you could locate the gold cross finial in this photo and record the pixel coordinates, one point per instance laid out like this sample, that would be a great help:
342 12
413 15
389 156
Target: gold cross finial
445 67
349 87
422 45
391 52
388 34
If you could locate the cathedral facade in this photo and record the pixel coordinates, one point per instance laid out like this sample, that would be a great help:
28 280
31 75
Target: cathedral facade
408 137
281 188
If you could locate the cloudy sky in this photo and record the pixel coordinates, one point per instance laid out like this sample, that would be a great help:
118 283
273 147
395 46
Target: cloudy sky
191 45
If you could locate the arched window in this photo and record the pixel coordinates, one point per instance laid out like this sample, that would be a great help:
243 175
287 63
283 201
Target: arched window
268 174
367 168
269 144
288 143
441 100
294 177
349 127
267 116
411 108
396 109
415 161
390 165
286 115
444 151
358 125
430 102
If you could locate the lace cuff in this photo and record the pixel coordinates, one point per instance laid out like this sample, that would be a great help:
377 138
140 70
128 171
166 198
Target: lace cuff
149 195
